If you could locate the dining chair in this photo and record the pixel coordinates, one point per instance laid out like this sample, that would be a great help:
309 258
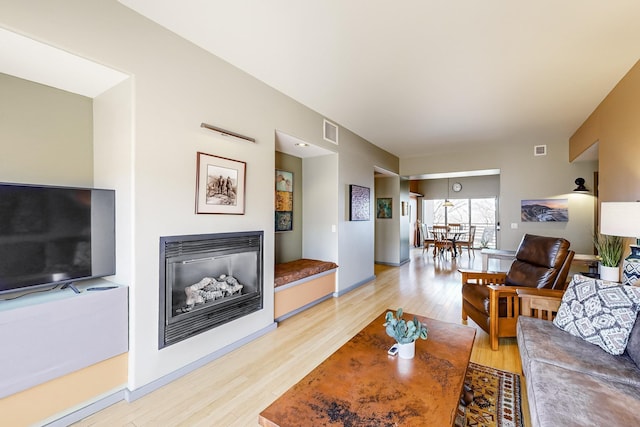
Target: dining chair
468 242
441 241
427 237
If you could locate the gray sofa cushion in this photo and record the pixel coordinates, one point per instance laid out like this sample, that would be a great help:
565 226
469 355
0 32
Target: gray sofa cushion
562 397
633 345
542 341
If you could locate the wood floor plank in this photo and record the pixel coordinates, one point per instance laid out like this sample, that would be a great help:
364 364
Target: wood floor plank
231 391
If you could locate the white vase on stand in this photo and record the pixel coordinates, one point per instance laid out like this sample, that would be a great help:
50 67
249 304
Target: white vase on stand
611 274
407 351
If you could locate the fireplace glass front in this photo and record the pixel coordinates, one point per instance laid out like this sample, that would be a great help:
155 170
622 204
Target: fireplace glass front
208 280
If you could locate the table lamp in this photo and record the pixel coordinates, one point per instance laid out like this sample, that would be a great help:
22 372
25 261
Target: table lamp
623 219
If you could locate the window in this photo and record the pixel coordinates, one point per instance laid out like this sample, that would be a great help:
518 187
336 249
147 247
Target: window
478 212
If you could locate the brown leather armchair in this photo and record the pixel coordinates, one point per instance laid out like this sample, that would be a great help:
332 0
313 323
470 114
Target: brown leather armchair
491 298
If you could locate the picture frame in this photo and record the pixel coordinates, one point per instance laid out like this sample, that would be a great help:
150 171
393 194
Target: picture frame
284 201
384 208
544 210
220 185
359 203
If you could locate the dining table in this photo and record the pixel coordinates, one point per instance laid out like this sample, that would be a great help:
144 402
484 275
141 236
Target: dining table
453 234
456 234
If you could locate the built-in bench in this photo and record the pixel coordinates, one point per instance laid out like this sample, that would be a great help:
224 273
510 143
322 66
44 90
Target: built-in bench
300 284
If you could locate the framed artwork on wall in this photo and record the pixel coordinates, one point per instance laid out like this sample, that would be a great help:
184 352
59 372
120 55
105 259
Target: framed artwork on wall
359 203
383 207
220 185
545 210
284 201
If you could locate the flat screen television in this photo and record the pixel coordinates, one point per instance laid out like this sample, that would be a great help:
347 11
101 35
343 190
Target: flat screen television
54 235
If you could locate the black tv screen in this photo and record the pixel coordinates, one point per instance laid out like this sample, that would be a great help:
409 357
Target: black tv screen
52 235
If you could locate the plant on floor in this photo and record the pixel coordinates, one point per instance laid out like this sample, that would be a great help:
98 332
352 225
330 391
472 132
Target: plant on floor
609 249
403 331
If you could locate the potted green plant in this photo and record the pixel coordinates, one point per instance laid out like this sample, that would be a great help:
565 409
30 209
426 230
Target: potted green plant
610 253
405 332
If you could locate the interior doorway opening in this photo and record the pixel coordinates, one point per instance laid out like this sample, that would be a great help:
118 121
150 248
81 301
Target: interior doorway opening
478 212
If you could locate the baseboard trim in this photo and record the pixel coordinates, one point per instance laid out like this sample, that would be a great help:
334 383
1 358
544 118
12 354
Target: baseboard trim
354 286
131 395
393 264
87 410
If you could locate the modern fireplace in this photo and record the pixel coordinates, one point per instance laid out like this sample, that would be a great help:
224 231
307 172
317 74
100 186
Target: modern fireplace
207 280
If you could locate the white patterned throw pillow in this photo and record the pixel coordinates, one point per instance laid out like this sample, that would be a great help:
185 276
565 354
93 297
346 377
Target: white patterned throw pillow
602 313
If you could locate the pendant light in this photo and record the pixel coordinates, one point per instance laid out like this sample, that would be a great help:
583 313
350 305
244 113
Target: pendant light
447 203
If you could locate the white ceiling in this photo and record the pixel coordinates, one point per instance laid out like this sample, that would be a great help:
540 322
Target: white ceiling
29 59
412 77
416 76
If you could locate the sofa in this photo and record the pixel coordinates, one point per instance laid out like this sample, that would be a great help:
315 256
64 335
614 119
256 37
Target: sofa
574 380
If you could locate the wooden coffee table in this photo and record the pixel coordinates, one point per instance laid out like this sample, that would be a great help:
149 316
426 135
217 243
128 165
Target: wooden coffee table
360 384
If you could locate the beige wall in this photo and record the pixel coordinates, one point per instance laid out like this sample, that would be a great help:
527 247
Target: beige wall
472 187
150 160
320 198
46 134
524 176
615 125
288 244
387 230
356 161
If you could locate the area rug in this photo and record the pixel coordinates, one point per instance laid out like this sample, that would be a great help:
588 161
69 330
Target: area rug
496 399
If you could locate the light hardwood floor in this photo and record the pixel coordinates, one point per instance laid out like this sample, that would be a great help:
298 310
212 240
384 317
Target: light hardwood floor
232 390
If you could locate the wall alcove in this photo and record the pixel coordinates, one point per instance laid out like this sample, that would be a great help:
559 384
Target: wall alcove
68 115
315 200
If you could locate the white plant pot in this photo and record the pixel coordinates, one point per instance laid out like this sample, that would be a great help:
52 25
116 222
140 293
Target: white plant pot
611 274
407 351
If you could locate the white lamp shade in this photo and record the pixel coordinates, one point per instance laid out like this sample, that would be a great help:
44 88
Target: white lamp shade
620 219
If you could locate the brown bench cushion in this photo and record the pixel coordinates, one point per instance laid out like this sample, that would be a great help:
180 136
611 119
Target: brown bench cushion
299 269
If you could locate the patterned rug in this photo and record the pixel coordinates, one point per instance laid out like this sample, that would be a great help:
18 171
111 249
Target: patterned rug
496 400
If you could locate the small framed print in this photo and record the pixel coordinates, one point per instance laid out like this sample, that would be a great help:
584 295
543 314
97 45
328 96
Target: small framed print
359 200
284 221
220 185
384 207
284 201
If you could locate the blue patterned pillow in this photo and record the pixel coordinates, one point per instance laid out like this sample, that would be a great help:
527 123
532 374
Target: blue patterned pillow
599 312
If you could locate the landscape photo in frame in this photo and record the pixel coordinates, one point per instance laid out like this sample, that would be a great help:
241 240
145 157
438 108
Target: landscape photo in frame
544 210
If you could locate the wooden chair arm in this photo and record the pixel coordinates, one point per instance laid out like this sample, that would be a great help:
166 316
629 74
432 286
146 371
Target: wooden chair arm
502 289
483 277
540 303
533 292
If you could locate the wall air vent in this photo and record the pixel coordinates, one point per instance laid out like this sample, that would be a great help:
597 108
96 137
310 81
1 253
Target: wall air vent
330 132
540 150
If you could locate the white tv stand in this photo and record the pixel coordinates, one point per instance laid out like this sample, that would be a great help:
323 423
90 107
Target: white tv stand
46 335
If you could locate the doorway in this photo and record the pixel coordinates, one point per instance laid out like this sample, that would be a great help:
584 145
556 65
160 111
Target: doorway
479 212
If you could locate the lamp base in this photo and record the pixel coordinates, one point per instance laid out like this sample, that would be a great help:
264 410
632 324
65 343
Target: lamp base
631 267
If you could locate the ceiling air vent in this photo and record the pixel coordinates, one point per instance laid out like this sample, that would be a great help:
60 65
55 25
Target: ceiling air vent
540 150
330 132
